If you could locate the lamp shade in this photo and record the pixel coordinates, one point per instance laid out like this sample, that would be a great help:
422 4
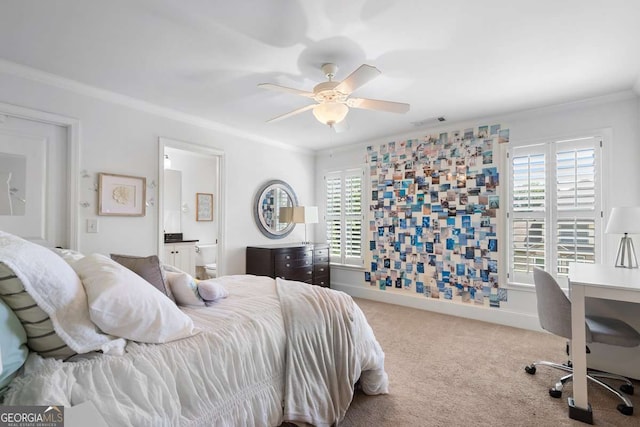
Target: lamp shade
305 214
285 215
330 113
624 220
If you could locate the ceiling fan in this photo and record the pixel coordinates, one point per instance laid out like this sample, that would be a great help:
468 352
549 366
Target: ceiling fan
333 97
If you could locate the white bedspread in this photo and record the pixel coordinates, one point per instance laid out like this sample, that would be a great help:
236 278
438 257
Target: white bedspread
329 344
232 374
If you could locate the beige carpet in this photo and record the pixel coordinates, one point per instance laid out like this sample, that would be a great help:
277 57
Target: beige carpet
450 371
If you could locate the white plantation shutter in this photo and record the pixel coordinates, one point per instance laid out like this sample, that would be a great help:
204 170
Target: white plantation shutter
576 176
353 217
528 245
528 182
334 213
344 216
555 207
576 242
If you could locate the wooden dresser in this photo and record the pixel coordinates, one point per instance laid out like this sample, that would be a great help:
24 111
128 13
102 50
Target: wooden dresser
305 263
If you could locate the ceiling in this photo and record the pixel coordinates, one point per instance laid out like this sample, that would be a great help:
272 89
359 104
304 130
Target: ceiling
460 59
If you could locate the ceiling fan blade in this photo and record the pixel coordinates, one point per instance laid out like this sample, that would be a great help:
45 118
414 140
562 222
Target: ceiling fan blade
292 113
358 78
375 104
279 88
341 126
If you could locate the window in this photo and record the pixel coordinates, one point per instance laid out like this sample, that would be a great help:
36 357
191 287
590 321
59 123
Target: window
344 216
555 207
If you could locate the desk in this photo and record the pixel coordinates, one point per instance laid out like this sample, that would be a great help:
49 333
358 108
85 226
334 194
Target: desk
596 281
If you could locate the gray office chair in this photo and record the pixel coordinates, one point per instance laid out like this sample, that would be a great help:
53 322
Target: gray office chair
554 312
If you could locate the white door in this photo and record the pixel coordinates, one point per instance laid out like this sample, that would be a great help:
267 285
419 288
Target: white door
33 180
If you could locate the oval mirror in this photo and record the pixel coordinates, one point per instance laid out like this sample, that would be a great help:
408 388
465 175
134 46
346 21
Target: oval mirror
269 200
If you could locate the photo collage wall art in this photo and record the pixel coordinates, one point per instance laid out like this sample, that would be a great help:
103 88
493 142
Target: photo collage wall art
433 216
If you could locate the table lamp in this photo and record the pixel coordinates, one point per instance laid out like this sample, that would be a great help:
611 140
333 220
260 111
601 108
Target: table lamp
625 220
305 215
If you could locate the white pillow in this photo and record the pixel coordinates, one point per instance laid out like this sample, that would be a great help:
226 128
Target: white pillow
211 291
69 255
125 305
184 289
56 289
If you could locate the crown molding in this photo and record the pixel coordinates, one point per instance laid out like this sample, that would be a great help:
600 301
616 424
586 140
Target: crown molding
29 73
502 118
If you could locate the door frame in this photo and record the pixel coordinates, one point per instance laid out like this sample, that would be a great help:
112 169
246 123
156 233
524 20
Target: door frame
221 185
73 157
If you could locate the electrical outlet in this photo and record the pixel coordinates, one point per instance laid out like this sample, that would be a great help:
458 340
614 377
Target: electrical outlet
92 225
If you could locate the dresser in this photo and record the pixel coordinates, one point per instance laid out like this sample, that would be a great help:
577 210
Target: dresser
302 262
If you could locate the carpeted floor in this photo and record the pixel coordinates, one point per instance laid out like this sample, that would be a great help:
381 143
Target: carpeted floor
451 371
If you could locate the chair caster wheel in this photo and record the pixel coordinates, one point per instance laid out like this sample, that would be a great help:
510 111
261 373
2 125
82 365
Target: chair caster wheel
627 389
556 394
531 369
624 409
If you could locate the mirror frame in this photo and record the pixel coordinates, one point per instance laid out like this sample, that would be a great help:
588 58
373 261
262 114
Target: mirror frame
257 211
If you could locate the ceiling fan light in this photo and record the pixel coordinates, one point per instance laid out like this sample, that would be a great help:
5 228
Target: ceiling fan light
330 113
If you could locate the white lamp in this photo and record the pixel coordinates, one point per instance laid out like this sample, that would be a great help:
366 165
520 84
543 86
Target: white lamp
305 215
330 113
625 220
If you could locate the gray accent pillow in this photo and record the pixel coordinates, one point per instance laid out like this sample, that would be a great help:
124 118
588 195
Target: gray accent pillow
148 268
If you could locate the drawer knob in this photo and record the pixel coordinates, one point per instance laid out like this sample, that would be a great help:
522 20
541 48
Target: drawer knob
309 272
288 265
322 269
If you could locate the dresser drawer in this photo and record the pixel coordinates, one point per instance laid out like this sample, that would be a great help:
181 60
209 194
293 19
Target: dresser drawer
320 254
321 280
304 274
293 255
321 270
296 263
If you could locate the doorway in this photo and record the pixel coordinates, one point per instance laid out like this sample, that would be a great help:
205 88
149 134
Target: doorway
38 176
191 202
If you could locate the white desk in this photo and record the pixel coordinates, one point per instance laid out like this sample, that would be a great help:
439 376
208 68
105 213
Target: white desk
596 281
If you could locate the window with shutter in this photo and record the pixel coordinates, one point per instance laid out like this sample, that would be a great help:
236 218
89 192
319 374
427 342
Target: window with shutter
555 207
344 216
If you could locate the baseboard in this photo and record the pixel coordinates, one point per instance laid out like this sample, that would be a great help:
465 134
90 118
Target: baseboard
492 315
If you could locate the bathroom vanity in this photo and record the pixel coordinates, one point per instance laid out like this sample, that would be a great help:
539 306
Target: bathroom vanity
180 253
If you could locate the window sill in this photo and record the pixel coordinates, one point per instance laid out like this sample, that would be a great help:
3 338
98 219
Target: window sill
527 287
346 266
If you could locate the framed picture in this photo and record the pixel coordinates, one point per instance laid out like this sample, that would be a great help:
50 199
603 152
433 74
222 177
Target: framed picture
204 207
121 195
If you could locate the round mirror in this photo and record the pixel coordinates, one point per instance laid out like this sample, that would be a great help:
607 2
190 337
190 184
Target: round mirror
270 199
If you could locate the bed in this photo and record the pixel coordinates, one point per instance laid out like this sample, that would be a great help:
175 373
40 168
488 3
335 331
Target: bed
269 351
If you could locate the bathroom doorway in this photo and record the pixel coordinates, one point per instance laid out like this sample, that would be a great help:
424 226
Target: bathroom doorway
191 205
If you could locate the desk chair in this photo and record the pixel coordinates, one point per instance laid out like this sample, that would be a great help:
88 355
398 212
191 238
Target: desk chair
554 312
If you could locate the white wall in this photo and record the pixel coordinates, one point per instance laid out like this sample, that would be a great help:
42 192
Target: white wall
617 112
118 139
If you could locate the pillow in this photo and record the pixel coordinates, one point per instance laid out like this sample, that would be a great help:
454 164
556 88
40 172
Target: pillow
146 267
123 304
184 289
212 290
68 255
41 335
13 349
53 287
